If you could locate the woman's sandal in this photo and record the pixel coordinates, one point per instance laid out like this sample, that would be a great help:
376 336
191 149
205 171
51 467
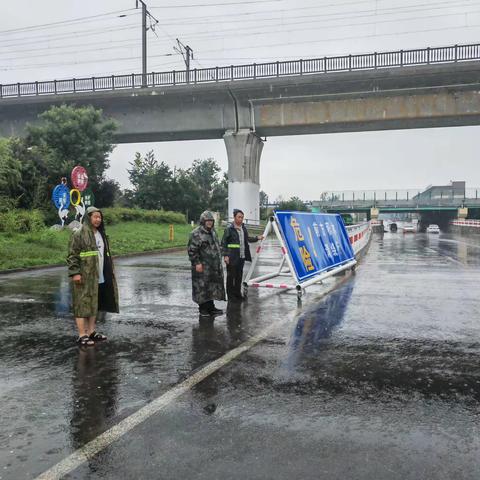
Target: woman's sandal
97 337
85 341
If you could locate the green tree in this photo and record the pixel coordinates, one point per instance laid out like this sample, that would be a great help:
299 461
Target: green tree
263 202
10 173
187 195
293 204
205 173
35 190
68 136
206 186
190 191
152 182
219 198
108 194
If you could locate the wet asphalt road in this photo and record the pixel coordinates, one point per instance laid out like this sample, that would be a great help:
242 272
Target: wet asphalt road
378 380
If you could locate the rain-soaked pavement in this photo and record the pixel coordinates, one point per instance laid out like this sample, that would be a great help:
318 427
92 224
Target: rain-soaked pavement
380 379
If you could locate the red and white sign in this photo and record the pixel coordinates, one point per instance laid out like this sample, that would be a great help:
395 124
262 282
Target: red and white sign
79 178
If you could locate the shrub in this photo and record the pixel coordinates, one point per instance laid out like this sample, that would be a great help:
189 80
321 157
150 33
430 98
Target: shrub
48 238
116 215
21 221
110 216
7 203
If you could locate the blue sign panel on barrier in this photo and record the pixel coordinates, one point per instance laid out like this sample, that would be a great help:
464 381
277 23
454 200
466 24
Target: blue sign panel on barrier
316 242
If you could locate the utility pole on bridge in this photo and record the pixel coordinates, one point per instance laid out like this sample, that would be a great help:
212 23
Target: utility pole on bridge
187 53
145 14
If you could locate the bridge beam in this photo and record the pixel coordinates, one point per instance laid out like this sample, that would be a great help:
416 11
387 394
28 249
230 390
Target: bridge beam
244 149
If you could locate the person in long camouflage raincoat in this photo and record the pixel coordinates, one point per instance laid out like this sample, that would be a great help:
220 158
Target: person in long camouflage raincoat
90 267
205 256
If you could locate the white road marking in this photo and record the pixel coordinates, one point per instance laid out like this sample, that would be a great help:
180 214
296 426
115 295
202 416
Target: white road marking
95 446
111 435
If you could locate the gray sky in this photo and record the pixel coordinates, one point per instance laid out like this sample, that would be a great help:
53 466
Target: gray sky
242 31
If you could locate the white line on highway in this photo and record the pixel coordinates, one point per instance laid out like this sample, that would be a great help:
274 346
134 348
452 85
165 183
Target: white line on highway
92 448
111 435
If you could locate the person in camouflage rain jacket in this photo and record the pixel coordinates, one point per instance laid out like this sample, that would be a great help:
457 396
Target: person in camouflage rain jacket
90 267
207 271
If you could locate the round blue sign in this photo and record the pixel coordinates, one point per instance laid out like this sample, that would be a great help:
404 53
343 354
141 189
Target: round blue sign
61 196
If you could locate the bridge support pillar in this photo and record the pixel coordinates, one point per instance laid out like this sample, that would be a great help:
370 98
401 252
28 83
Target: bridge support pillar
244 149
374 212
462 213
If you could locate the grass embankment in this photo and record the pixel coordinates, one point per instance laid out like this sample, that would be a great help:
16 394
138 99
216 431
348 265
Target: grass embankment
48 247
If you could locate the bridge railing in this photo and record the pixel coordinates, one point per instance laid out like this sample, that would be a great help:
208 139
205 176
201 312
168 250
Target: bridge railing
230 73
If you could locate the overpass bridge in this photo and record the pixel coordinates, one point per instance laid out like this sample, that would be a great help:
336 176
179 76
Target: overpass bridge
431 87
374 202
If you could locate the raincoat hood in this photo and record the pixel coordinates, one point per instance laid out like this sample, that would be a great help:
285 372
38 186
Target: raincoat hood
87 220
93 209
206 215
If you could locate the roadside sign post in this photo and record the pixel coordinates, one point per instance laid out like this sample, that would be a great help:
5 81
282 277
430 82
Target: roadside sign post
78 197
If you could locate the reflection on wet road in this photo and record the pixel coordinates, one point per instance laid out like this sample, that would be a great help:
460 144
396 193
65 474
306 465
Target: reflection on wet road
378 379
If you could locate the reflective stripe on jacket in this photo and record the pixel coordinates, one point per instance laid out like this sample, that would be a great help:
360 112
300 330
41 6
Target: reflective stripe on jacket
231 244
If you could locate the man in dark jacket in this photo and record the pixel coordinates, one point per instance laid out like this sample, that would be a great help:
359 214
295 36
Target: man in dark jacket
236 252
90 267
205 255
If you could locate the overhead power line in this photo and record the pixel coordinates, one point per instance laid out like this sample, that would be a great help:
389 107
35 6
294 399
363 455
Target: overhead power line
63 22
354 37
62 36
187 50
377 11
59 48
263 12
284 44
82 62
247 30
74 51
340 15
354 14
223 4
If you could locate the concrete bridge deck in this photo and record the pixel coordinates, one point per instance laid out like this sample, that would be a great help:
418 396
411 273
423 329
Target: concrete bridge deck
437 91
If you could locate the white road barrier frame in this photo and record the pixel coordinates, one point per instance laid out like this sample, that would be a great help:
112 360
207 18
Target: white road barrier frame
359 236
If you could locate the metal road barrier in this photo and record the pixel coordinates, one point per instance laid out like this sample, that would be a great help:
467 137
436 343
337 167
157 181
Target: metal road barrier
230 73
466 223
359 235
